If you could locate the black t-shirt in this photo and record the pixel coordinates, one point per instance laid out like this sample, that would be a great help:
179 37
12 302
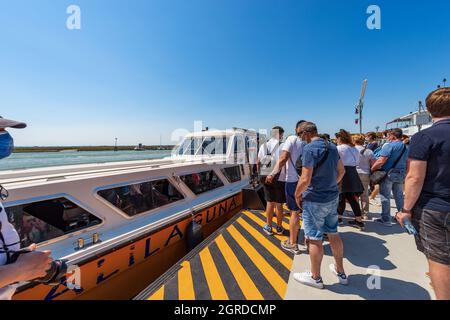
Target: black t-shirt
433 145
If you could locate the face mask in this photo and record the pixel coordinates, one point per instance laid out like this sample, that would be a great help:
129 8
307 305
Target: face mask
6 145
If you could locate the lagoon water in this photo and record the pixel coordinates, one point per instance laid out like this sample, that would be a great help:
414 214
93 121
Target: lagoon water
47 159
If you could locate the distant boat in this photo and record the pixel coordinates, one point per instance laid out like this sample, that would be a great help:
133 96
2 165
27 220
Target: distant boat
140 147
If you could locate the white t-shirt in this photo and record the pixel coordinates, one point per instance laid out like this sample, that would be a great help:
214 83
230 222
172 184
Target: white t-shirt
364 160
294 146
274 148
12 240
349 155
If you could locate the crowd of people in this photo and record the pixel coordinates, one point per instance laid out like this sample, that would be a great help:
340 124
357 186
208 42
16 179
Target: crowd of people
316 177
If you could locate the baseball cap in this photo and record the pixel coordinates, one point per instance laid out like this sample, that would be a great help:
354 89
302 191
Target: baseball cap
6 123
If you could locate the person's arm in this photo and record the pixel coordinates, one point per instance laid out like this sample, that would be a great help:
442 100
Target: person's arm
379 163
303 183
278 166
29 266
341 171
413 187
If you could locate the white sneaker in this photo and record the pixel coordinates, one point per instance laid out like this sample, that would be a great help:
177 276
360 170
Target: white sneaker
307 279
342 277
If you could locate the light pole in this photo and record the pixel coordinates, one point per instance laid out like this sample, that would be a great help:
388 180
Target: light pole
419 127
360 105
115 144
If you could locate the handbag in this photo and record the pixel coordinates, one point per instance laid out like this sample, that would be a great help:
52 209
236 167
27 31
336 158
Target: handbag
378 176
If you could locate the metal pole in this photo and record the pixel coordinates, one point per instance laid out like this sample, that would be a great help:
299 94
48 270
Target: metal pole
361 105
419 127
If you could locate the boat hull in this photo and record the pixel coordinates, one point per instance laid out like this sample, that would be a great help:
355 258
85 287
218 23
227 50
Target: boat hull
124 271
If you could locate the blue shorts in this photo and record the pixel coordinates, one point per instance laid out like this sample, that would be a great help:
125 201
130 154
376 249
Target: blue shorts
290 196
320 218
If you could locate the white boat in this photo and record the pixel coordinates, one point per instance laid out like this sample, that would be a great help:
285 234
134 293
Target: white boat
411 123
120 225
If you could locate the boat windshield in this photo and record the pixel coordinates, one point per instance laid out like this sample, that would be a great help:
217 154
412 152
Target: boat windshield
210 145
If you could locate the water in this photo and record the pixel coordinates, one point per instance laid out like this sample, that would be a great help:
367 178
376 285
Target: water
47 159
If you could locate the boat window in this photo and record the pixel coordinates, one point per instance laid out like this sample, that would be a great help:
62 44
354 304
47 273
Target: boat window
238 145
209 145
233 174
202 182
138 198
45 220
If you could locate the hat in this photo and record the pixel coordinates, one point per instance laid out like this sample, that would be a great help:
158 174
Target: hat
6 123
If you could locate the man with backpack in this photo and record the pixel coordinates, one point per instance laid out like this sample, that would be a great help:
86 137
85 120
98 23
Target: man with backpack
290 159
268 156
392 164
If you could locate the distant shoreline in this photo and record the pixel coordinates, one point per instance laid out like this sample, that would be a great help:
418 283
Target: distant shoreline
88 148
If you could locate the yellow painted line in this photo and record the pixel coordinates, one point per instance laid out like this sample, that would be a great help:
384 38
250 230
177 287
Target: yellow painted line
284 224
266 269
213 279
273 249
158 295
244 281
258 221
185 284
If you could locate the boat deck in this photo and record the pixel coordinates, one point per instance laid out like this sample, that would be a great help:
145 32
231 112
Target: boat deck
239 261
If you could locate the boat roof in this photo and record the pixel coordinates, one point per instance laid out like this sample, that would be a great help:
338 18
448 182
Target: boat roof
220 133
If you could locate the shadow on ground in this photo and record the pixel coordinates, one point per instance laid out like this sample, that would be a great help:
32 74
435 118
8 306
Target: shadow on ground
367 246
390 289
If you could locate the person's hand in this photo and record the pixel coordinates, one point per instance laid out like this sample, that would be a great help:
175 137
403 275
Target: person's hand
269 179
34 264
402 216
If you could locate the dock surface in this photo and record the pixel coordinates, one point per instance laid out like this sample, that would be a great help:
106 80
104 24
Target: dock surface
382 263
240 262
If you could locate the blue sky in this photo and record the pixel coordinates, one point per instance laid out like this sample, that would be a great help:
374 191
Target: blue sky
139 69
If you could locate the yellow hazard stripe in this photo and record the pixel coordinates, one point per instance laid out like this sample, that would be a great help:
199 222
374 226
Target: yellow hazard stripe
213 279
273 249
258 221
284 224
158 295
266 269
244 281
185 284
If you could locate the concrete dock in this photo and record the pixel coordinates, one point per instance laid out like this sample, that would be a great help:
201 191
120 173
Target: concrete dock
381 263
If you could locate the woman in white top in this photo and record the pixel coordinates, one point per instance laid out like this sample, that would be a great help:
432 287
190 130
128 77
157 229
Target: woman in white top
366 161
351 186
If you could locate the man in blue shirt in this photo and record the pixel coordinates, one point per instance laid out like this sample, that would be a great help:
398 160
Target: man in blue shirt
393 157
427 191
317 191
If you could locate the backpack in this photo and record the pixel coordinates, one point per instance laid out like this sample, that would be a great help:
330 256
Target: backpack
268 161
298 165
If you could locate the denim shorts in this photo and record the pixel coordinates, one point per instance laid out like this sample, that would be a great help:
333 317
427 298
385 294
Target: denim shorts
290 196
320 218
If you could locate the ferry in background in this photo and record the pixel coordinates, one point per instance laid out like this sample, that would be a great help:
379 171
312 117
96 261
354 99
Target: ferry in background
412 122
139 147
121 225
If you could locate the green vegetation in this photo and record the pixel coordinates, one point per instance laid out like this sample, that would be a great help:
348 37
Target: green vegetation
87 148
